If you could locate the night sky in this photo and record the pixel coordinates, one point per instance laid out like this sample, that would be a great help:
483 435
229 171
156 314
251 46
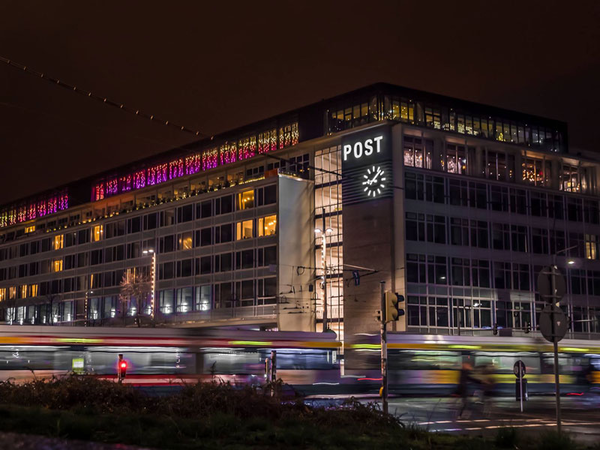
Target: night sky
216 67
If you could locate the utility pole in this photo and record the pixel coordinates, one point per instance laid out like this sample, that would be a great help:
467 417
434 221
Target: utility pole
384 364
555 343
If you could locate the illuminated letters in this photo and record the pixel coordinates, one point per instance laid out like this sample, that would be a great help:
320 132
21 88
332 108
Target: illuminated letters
360 148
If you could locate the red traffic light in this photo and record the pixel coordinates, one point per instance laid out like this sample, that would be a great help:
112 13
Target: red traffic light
123 364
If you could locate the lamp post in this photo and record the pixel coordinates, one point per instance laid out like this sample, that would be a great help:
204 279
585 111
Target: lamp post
151 251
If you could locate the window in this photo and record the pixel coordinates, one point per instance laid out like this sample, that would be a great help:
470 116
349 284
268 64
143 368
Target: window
185 213
591 246
574 210
480 273
459 193
203 300
591 211
57 265
165 301
134 225
223 262
479 234
184 268
266 256
519 238
502 275
204 237
539 240
416 268
456 159
460 272
223 205
223 295
97 233
58 242
498 198
204 209
165 271
477 195
244 259
150 221
204 265
184 299
96 257
538 204
267 226
436 269
166 244
83 236
29 229
224 233
267 195
414 153
246 200
518 201
184 241
521 277
244 229
167 218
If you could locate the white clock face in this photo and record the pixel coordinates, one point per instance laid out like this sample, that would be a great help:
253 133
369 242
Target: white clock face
374 181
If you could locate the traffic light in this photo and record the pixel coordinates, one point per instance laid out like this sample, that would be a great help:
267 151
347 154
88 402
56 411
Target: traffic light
392 306
121 368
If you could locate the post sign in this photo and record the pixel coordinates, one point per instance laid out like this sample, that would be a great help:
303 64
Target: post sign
367 165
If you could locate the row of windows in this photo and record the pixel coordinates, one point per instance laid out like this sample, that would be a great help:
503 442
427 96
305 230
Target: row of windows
442 312
258 292
499 198
224 262
391 107
208 208
495 165
499 275
247 229
499 236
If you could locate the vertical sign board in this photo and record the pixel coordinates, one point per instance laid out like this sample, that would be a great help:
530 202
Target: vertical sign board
367 165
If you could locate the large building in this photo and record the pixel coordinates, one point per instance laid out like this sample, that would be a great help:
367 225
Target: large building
294 221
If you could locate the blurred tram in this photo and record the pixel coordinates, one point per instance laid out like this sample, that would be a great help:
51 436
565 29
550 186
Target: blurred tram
158 356
310 362
430 364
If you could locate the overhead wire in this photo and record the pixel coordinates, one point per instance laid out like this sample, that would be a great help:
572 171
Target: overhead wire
99 98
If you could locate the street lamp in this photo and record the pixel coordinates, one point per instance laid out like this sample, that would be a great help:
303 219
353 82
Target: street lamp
150 251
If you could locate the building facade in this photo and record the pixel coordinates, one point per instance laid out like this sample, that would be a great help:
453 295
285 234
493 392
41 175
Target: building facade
295 221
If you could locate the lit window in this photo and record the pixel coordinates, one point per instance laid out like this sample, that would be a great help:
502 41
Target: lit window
97 232
267 226
244 230
246 200
30 229
57 266
58 241
12 292
591 246
24 291
2 294
33 289
185 241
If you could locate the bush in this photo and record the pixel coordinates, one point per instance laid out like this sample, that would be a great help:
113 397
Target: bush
507 437
551 440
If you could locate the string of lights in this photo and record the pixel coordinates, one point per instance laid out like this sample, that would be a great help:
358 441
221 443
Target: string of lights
99 98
